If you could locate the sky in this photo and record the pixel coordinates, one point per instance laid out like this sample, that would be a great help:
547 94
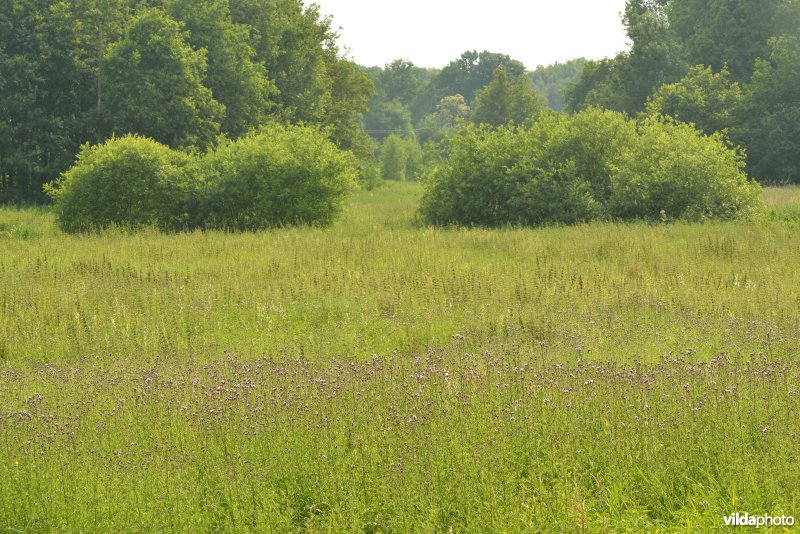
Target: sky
431 33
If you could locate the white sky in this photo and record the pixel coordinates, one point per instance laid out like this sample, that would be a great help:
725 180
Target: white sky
431 33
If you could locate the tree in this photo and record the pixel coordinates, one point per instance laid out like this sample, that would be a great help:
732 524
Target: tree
728 34
596 86
349 90
399 80
770 114
129 181
154 85
315 85
400 159
384 118
624 83
596 164
290 43
656 56
505 101
553 80
175 70
44 87
234 77
451 113
473 71
703 98
282 175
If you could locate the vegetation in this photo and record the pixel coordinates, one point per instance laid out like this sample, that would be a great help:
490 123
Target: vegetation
703 98
552 81
721 65
131 181
595 165
605 377
400 159
506 101
281 176
206 333
770 125
172 70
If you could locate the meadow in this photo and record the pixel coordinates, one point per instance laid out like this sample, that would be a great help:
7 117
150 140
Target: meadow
382 376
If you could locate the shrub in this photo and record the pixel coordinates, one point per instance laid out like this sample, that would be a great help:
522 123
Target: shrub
594 165
284 175
130 181
674 170
474 187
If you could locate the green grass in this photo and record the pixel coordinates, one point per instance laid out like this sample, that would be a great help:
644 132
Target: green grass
379 376
783 203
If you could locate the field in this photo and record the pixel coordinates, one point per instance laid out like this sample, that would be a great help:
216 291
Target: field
380 376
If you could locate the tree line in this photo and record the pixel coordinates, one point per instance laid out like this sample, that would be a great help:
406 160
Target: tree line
187 74
178 71
730 65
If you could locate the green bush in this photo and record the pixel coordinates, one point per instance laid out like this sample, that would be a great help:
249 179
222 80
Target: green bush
280 176
674 171
474 187
130 182
594 165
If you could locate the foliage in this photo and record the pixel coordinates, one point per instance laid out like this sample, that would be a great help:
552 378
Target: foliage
473 71
506 101
452 112
277 177
770 114
349 91
703 98
593 142
400 80
315 84
400 159
397 86
392 159
667 36
42 96
177 71
387 117
129 182
154 85
234 75
624 82
553 80
674 171
594 165
730 34
280 176
595 87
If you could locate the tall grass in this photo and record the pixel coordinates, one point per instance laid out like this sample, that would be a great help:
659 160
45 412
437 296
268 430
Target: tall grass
384 377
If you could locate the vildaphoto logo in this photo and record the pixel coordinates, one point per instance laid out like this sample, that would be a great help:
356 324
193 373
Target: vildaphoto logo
747 520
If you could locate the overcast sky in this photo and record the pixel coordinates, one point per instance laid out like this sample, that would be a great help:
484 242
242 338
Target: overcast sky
431 33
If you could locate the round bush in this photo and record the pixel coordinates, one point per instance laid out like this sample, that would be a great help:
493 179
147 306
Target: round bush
284 175
593 165
674 171
129 182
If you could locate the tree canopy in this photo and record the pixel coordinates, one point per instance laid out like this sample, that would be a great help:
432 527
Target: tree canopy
506 100
723 66
178 71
